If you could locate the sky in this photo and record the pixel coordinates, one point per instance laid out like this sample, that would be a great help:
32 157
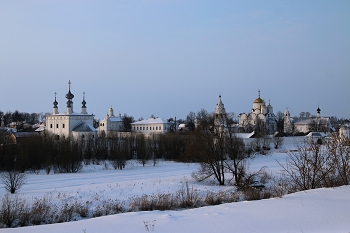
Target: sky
171 57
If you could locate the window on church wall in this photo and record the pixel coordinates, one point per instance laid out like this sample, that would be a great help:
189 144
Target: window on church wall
156 127
57 126
160 128
83 136
63 126
50 126
146 128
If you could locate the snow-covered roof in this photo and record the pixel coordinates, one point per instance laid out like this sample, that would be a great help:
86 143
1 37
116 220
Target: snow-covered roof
40 128
84 127
308 120
151 121
73 113
245 135
115 119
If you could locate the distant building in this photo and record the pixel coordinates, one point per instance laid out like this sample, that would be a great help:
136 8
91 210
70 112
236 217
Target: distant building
110 123
21 137
248 121
70 123
307 124
220 118
151 125
344 131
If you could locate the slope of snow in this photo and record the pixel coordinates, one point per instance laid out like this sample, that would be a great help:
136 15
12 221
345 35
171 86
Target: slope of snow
321 210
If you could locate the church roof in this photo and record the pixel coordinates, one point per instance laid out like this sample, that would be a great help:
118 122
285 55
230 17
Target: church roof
115 119
152 120
84 127
259 100
220 107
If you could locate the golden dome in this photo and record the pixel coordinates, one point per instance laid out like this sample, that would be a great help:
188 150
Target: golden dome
258 100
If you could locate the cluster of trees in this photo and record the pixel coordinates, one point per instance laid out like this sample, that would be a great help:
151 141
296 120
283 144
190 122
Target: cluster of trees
221 154
67 155
314 165
20 117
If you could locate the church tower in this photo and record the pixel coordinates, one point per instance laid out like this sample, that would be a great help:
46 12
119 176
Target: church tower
83 108
69 97
258 105
318 110
55 108
219 117
286 120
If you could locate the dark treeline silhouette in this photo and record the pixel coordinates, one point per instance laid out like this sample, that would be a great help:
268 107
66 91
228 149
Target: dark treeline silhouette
67 154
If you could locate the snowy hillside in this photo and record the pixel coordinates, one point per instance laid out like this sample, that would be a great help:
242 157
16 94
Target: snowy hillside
320 210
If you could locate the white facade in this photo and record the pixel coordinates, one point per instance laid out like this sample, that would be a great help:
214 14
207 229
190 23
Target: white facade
71 124
344 131
151 125
219 117
110 123
302 124
247 121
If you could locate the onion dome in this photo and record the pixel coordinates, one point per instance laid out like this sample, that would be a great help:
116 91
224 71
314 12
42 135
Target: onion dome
55 103
259 100
84 102
69 95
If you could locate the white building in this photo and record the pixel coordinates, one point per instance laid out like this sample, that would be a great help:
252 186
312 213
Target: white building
344 131
306 124
151 125
247 121
110 123
219 117
70 123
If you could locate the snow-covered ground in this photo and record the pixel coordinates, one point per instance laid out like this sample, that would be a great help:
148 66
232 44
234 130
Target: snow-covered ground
321 210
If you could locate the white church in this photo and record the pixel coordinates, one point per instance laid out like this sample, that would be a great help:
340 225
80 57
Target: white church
247 121
305 124
110 123
70 124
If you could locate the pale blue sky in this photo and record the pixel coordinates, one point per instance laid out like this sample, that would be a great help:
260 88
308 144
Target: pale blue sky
170 57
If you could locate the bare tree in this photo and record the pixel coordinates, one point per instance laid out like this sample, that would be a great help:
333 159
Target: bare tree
339 152
309 167
13 180
280 122
277 141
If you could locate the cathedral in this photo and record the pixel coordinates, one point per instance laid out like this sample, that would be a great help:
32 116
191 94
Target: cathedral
71 124
248 121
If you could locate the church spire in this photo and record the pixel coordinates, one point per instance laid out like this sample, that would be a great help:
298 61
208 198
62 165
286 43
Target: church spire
318 110
55 108
69 97
83 108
